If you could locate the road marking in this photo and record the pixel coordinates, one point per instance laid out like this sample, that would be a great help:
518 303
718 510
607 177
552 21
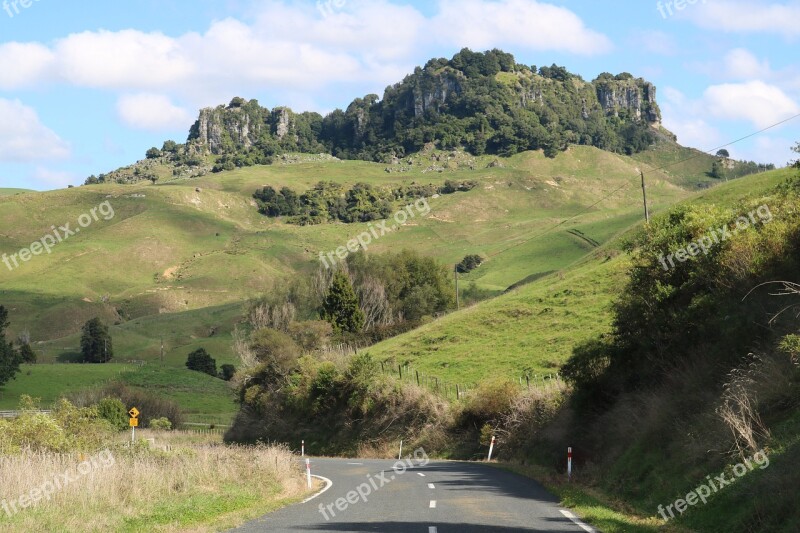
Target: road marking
433 504
357 464
430 486
420 474
432 529
577 522
328 484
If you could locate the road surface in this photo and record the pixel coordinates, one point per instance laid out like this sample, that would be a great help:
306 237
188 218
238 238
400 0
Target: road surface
428 497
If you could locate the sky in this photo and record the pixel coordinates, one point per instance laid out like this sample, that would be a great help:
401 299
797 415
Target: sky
88 87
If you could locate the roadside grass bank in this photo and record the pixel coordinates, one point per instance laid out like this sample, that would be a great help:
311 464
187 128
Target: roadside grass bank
592 506
165 481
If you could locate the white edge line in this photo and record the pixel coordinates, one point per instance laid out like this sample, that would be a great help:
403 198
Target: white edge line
431 486
420 474
328 484
432 529
577 522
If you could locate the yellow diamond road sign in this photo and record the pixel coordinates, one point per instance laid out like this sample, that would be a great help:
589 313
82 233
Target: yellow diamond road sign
134 412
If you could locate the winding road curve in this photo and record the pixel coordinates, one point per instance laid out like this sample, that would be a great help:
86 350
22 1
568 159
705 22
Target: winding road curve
425 497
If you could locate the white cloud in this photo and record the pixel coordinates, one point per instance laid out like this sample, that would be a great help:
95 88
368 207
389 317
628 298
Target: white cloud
53 178
153 112
24 64
288 47
741 64
519 23
24 139
756 101
748 16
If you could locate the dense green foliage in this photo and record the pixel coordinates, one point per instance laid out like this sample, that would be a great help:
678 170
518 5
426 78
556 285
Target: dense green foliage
669 314
9 358
482 102
469 263
329 202
340 306
114 411
96 345
200 361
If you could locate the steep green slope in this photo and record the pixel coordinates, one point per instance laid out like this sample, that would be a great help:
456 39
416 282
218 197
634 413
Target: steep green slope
533 329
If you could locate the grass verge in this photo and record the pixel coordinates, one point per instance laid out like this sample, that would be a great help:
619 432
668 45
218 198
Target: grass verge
176 484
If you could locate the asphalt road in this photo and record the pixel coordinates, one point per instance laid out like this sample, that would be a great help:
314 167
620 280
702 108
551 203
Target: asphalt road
428 497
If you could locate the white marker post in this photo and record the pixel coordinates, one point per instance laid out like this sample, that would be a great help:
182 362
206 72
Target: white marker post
491 449
308 472
303 449
569 463
400 455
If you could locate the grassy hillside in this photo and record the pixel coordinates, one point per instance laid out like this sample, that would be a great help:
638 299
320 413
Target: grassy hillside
179 258
534 328
12 192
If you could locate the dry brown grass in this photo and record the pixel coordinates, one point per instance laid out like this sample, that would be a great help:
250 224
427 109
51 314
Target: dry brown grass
196 486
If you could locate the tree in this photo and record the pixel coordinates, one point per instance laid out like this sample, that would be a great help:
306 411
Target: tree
200 361
9 358
340 306
723 153
717 170
153 153
227 372
469 263
96 344
27 355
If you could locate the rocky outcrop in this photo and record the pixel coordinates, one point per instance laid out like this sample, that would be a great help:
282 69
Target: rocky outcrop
624 93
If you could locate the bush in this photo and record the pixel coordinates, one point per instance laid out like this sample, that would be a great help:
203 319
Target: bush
469 263
200 361
113 410
160 424
227 372
275 349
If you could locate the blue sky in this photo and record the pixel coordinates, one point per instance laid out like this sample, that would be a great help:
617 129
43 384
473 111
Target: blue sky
85 90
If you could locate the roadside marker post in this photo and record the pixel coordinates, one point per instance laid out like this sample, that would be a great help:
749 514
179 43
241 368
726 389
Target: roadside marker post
134 422
491 449
308 472
400 455
569 463
303 448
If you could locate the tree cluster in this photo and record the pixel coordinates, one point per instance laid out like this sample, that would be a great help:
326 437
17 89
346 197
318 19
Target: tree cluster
330 202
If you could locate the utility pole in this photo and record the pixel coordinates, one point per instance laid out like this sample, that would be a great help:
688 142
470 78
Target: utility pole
455 273
644 194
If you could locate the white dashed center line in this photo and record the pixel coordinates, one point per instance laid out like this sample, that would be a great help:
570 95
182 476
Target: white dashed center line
420 474
432 529
430 486
433 504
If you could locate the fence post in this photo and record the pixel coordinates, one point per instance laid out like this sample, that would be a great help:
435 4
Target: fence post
417 372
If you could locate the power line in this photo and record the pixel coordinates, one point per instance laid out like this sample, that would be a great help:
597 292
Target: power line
652 169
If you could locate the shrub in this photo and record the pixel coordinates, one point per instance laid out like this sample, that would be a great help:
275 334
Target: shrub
113 410
160 424
227 372
275 349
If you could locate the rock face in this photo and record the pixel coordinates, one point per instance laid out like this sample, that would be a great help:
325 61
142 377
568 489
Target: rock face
634 96
216 129
432 92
